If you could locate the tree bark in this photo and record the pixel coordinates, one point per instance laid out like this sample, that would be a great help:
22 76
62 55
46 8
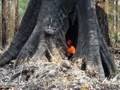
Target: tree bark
115 22
45 25
16 15
4 23
91 42
101 10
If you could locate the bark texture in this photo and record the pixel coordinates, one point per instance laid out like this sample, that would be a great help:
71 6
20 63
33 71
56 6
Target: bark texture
46 26
91 42
103 22
4 23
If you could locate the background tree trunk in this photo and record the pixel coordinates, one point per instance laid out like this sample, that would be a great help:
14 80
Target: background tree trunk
1 24
102 11
4 23
10 20
13 19
16 14
115 22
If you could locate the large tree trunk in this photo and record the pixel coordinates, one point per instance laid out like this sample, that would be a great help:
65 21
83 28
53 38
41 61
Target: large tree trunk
46 23
91 43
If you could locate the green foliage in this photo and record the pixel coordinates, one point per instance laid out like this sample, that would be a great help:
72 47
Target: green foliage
22 6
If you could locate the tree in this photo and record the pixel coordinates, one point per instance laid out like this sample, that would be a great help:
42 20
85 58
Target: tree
16 2
102 10
4 23
13 19
45 25
115 22
9 20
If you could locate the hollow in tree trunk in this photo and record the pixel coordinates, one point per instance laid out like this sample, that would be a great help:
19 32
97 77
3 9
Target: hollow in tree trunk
47 24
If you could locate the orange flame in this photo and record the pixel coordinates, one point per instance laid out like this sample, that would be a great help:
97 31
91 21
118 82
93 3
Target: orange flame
71 48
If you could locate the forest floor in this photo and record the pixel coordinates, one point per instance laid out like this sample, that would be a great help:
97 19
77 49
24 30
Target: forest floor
61 75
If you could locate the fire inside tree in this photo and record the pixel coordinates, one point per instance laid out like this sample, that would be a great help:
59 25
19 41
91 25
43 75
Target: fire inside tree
45 24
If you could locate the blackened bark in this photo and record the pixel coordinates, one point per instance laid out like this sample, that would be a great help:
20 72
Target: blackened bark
45 25
50 21
91 42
